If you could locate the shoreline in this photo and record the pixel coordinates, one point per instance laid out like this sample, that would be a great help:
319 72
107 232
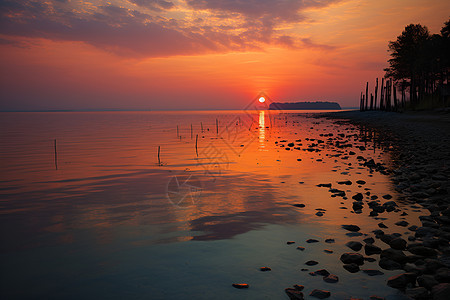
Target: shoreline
420 172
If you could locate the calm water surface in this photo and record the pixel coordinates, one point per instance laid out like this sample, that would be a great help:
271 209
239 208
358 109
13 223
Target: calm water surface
109 220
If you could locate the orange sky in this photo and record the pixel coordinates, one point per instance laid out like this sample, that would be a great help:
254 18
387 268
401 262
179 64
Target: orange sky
197 54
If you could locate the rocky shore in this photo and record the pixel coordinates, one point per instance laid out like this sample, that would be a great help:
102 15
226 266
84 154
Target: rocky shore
419 144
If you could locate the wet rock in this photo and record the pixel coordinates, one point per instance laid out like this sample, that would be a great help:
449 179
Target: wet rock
310 241
346 182
290 242
265 269
319 214
351 227
370 249
328 251
423 251
329 241
381 225
357 205
322 272
240 285
321 294
369 240
389 264
373 272
401 281
352 268
395 255
311 263
413 228
427 281
398 243
442 275
402 223
387 196
299 287
331 278
299 205
358 197
328 185
349 258
360 182
417 293
441 291
294 294
355 246
376 298
300 248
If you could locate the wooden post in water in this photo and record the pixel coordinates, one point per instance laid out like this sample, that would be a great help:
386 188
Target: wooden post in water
56 155
196 142
201 124
382 94
191 131
217 126
178 132
376 95
159 160
361 102
367 95
371 101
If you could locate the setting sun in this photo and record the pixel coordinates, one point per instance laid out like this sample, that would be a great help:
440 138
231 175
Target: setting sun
262 100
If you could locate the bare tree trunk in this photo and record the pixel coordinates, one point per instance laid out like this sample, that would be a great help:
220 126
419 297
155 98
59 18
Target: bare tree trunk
376 94
382 94
367 94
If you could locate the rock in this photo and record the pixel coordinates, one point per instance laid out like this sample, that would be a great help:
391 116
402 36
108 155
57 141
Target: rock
370 249
299 287
329 241
417 293
355 246
319 213
321 294
299 205
389 264
352 228
441 291
387 196
290 242
381 225
401 281
357 205
322 272
265 269
395 255
300 248
427 281
373 297
328 185
402 223
423 251
352 268
328 251
360 182
369 240
311 263
294 294
349 258
358 197
240 285
442 275
398 243
413 228
331 278
373 272
346 182
309 241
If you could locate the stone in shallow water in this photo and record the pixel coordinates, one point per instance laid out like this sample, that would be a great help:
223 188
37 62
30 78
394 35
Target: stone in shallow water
321 294
311 263
398 243
427 281
299 287
299 205
389 264
300 248
373 272
369 240
360 182
401 281
351 227
328 251
423 251
402 223
355 246
349 258
352 268
417 293
441 291
329 241
387 196
265 269
381 225
370 249
240 285
290 242
309 241
294 294
322 272
358 197
331 278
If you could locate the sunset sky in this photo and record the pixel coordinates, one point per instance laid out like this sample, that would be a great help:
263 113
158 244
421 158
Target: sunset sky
197 54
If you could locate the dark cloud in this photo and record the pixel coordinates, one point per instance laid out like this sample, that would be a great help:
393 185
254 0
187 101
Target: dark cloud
155 5
131 32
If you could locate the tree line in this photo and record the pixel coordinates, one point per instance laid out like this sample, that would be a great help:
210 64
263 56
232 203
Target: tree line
418 73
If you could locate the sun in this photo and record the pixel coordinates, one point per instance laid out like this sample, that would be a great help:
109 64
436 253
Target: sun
262 99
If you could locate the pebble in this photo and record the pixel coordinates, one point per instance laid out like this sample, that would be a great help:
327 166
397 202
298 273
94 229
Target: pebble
265 269
321 294
300 248
381 225
372 272
352 268
349 258
290 242
401 281
328 251
355 246
371 249
351 227
402 223
322 272
299 287
294 294
329 241
331 278
311 263
240 285
309 241
299 205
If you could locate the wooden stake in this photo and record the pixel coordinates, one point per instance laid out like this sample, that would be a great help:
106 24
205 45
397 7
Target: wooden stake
376 95
217 126
191 131
201 124
196 142
56 155
159 150
367 95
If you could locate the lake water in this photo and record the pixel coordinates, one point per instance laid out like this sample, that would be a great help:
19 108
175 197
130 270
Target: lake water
97 215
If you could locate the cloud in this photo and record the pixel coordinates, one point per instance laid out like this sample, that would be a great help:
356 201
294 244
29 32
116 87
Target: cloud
234 25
